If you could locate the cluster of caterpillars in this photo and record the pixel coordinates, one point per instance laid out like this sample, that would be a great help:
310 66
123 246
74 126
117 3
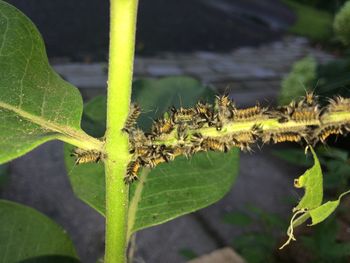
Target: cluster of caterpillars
205 127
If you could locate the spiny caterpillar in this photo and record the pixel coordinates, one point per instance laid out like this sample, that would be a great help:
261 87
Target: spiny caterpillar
251 113
222 126
130 122
86 156
185 128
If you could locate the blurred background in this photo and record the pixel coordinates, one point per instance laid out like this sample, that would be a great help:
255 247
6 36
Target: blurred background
268 51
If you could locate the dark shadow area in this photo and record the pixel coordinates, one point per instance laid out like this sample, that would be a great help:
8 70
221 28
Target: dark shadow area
79 29
51 259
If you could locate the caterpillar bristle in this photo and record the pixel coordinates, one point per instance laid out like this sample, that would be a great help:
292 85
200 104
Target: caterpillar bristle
162 126
248 114
322 134
338 104
130 122
86 156
183 115
305 115
131 171
186 131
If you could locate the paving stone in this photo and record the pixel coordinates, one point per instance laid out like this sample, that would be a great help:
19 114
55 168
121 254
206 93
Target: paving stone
269 61
162 70
163 243
264 182
224 255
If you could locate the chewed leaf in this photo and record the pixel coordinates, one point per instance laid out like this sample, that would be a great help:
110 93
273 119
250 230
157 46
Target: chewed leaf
311 205
36 104
312 181
324 211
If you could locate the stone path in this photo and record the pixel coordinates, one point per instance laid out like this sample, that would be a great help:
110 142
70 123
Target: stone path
39 180
243 71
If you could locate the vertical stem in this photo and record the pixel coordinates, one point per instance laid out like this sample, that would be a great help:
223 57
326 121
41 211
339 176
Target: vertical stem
121 57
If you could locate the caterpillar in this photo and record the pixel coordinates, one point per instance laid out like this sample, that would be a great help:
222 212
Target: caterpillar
248 114
321 134
338 104
283 113
153 162
205 114
307 123
181 134
309 100
213 144
224 106
305 115
138 142
162 126
286 137
86 156
243 140
183 115
130 122
131 171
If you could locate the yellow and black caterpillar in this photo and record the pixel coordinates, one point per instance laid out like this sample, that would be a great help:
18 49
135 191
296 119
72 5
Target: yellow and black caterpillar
222 126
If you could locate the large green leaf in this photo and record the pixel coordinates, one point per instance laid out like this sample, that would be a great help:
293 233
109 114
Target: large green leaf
36 104
28 236
171 189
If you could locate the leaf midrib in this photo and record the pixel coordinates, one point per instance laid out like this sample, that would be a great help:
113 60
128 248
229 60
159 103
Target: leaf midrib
135 200
66 131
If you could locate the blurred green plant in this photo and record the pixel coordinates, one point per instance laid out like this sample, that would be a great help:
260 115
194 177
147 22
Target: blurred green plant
299 80
324 245
341 24
323 4
257 245
312 23
187 253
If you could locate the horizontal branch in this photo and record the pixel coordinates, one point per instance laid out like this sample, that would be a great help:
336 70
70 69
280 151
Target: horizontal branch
219 127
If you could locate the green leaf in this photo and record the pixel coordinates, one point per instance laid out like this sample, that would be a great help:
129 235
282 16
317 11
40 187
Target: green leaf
180 187
36 104
171 189
87 180
28 236
324 211
156 96
311 181
298 80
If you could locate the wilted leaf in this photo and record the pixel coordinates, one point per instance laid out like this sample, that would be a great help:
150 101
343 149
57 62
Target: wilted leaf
324 211
312 182
310 206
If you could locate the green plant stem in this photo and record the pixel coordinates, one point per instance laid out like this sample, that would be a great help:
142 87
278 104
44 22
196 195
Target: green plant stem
121 57
266 124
